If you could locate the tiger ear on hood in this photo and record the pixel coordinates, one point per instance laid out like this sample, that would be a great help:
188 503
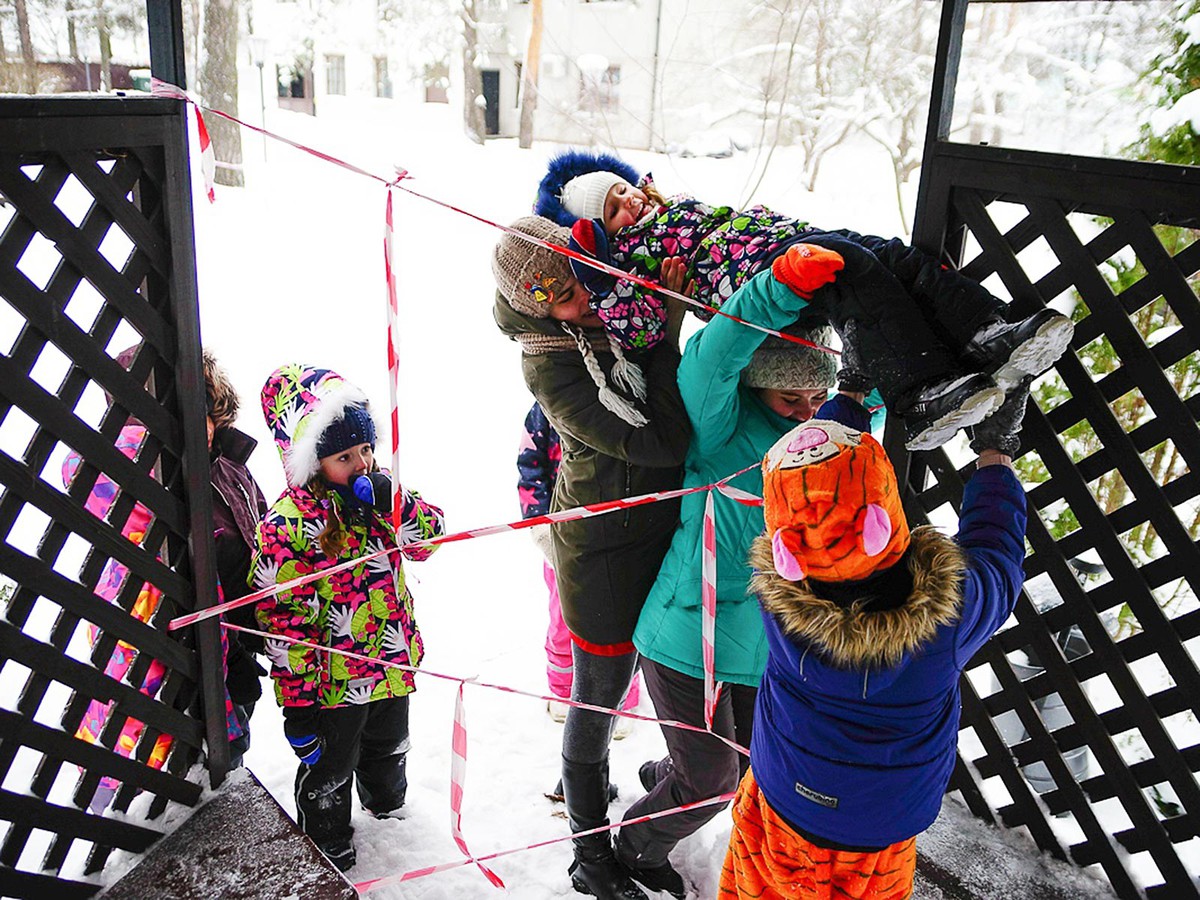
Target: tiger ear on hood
874 529
784 544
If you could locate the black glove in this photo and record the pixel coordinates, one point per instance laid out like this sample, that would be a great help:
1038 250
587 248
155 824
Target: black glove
242 674
375 490
1002 429
300 729
847 410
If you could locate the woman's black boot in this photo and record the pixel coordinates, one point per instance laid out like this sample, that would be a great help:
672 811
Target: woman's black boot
595 870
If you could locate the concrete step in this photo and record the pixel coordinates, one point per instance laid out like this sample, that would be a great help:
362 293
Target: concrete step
239 845
961 858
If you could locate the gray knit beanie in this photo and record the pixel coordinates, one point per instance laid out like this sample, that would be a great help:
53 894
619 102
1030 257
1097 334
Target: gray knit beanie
583 196
528 275
787 366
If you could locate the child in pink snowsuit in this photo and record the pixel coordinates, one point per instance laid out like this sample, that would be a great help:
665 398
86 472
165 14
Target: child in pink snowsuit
537 467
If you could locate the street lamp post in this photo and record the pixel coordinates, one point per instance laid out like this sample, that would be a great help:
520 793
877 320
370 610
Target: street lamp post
258 55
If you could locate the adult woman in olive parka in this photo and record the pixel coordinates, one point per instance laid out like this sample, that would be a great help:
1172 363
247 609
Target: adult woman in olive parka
624 432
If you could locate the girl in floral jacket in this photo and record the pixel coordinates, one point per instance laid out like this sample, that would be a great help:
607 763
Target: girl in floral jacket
345 716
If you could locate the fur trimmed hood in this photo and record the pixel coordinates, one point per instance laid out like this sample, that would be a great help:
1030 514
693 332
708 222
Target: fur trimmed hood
571 164
299 402
851 637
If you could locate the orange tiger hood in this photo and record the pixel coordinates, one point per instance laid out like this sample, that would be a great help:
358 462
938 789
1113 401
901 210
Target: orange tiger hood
856 635
832 504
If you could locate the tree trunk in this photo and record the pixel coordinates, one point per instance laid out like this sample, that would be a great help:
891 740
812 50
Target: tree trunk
193 20
529 75
72 38
30 79
219 85
105 47
472 81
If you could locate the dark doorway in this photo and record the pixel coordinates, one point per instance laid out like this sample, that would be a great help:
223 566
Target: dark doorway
491 97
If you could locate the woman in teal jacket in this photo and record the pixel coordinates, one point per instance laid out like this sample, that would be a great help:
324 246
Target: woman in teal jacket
742 391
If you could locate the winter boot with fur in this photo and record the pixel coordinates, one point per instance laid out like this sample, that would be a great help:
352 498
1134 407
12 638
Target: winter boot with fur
595 870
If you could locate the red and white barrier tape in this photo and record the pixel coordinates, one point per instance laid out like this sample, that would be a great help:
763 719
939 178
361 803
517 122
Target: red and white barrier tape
162 88
372 883
458 780
393 361
208 156
502 688
708 614
566 515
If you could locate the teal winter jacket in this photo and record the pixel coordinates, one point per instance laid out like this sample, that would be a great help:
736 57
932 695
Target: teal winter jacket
731 429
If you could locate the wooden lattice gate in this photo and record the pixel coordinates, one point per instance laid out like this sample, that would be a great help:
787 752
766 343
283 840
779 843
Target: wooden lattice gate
1079 720
96 255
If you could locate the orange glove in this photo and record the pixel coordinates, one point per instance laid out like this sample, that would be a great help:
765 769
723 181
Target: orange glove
806 267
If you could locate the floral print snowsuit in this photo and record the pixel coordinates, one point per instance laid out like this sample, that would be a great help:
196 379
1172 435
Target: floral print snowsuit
366 609
723 248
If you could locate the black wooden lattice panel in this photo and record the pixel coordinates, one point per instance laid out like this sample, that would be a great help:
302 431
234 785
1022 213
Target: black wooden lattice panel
1080 717
90 265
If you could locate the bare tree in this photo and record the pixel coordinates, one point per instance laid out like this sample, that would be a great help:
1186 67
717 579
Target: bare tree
219 86
72 38
27 56
473 99
895 81
529 75
105 46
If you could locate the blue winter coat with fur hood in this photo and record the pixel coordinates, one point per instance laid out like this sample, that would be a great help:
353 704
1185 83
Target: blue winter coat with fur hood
851 748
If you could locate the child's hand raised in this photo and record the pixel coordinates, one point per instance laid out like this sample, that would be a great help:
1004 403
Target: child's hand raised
674 276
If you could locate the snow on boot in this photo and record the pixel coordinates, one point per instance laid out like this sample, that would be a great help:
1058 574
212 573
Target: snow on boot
1010 352
936 413
658 878
341 854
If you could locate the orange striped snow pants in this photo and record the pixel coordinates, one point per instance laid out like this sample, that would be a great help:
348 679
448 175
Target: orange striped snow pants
767 860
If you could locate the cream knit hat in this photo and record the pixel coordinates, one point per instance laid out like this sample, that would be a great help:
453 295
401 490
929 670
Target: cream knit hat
784 365
583 196
528 275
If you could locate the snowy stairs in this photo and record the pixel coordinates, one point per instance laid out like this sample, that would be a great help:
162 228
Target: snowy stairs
961 858
239 845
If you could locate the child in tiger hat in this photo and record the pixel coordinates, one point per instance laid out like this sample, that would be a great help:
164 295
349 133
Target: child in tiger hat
869 627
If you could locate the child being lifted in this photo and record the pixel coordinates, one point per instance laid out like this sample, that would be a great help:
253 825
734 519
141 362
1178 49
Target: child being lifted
934 342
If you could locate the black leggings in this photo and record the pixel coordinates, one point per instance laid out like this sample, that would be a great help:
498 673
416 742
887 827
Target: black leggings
602 681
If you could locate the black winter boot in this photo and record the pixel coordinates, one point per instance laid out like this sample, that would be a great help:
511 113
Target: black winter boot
557 794
595 870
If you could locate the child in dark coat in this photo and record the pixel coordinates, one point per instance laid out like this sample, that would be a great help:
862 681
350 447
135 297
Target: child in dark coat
869 627
934 342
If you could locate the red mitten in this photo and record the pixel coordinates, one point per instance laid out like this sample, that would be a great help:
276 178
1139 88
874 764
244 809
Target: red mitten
806 267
